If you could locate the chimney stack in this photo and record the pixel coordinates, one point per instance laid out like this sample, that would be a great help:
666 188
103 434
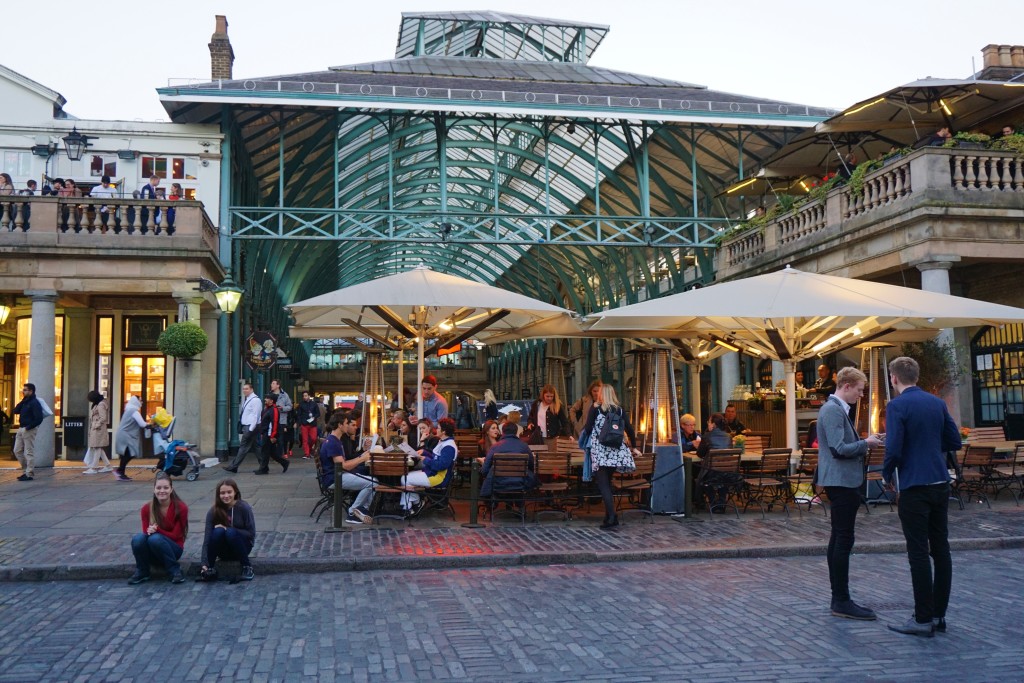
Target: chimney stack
222 57
1001 62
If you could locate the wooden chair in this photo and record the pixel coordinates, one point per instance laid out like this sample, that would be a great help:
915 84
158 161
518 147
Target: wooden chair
766 438
755 445
803 477
554 472
512 465
768 482
720 474
873 462
982 435
326 493
468 444
975 472
1010 474
633 486
388 469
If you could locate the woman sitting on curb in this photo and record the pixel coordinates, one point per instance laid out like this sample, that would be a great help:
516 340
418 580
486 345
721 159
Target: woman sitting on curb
230 531
164 528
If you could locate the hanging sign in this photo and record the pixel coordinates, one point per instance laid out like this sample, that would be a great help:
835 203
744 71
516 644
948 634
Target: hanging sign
261 350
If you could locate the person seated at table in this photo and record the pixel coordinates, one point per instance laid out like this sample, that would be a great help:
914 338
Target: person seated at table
732 424
691 437
434 466
426 439
716 437
826 383
936 139
490 434
340 447
811 441
508 443
512 414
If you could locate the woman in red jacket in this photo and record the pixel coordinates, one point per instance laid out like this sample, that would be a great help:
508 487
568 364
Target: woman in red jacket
164 528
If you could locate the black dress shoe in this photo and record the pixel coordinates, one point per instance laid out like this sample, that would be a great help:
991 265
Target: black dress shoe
848 609
610 523
261 471
939 624
232 470
284 466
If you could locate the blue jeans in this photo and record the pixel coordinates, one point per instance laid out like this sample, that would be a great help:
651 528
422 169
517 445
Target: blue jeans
155 548
923 514
228 544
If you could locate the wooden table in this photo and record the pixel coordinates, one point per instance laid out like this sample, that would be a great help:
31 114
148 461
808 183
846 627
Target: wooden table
1002 447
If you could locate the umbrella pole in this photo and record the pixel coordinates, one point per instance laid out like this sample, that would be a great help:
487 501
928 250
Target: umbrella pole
401 378
792 441
419 374
695 393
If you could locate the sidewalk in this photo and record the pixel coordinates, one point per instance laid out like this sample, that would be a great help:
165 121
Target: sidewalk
65 525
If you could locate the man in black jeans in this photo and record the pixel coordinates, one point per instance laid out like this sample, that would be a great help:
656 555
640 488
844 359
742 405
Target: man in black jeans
920 433
841 471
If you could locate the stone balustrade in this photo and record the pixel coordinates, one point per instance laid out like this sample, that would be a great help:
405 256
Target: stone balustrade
107 218
928 179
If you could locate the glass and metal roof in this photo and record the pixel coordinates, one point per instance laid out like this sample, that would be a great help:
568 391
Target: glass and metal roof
549 157
497 35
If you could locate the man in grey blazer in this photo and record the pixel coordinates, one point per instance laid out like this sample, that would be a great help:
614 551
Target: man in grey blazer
841 471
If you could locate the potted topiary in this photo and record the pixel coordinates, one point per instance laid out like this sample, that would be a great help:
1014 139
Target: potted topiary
183 341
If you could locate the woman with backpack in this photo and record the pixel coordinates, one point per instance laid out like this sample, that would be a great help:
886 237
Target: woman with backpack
608 425
164 529
230 532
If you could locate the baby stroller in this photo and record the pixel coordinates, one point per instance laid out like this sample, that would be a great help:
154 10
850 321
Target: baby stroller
185 456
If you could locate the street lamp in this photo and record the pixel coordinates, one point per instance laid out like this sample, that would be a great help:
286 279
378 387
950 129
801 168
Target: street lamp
5 309
75 144
228 294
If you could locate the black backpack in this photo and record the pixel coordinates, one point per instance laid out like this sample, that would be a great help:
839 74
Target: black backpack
611 433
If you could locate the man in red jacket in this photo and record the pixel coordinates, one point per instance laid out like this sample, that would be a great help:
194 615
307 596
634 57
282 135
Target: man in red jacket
270 424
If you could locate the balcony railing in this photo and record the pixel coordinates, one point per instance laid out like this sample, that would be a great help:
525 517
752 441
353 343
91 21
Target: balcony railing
936 175
107 218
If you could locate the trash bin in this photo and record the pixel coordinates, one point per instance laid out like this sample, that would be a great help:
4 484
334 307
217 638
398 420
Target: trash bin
74 432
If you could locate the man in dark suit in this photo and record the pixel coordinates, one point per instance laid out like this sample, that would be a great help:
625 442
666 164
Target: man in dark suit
841 471
920 433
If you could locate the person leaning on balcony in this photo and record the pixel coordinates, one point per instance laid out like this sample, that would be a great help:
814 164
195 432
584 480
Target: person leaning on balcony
176 194
104 189
938 138
147 191
6 184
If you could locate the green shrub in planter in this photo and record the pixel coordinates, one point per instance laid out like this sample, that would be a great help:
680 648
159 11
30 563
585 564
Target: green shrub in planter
183 340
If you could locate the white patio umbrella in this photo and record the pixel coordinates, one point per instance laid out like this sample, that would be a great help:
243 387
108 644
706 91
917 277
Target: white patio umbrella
791 315
405 310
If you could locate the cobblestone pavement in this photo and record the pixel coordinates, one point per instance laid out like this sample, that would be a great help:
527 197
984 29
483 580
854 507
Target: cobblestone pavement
684 620
66 525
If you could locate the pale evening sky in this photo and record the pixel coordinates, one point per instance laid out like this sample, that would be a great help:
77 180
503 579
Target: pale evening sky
107 59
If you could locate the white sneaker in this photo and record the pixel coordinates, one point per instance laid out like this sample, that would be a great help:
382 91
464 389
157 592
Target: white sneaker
106 469
89 471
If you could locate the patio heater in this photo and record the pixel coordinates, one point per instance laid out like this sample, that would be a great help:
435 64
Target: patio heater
637 396
660 420
874 364
374 420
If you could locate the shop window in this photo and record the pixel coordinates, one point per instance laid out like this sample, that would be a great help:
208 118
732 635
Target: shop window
101 166
23 346
154 166
104 353
18 163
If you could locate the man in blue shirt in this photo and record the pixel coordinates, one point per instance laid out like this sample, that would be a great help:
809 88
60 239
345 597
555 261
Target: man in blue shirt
435 408
340 448
920 432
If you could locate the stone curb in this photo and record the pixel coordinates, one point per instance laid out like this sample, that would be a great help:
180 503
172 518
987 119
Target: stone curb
317 565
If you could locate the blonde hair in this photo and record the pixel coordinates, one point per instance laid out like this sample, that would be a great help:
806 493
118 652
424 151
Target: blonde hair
557 403
608 397
849 375
489 397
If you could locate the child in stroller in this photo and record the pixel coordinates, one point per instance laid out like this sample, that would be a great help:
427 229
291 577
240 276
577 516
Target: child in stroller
175 456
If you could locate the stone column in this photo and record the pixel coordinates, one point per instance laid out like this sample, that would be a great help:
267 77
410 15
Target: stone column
41 366
935 278
729 371
79 364
188 397
207 440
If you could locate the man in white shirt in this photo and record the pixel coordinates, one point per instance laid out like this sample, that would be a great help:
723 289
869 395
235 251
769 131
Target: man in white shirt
104 189
249 412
